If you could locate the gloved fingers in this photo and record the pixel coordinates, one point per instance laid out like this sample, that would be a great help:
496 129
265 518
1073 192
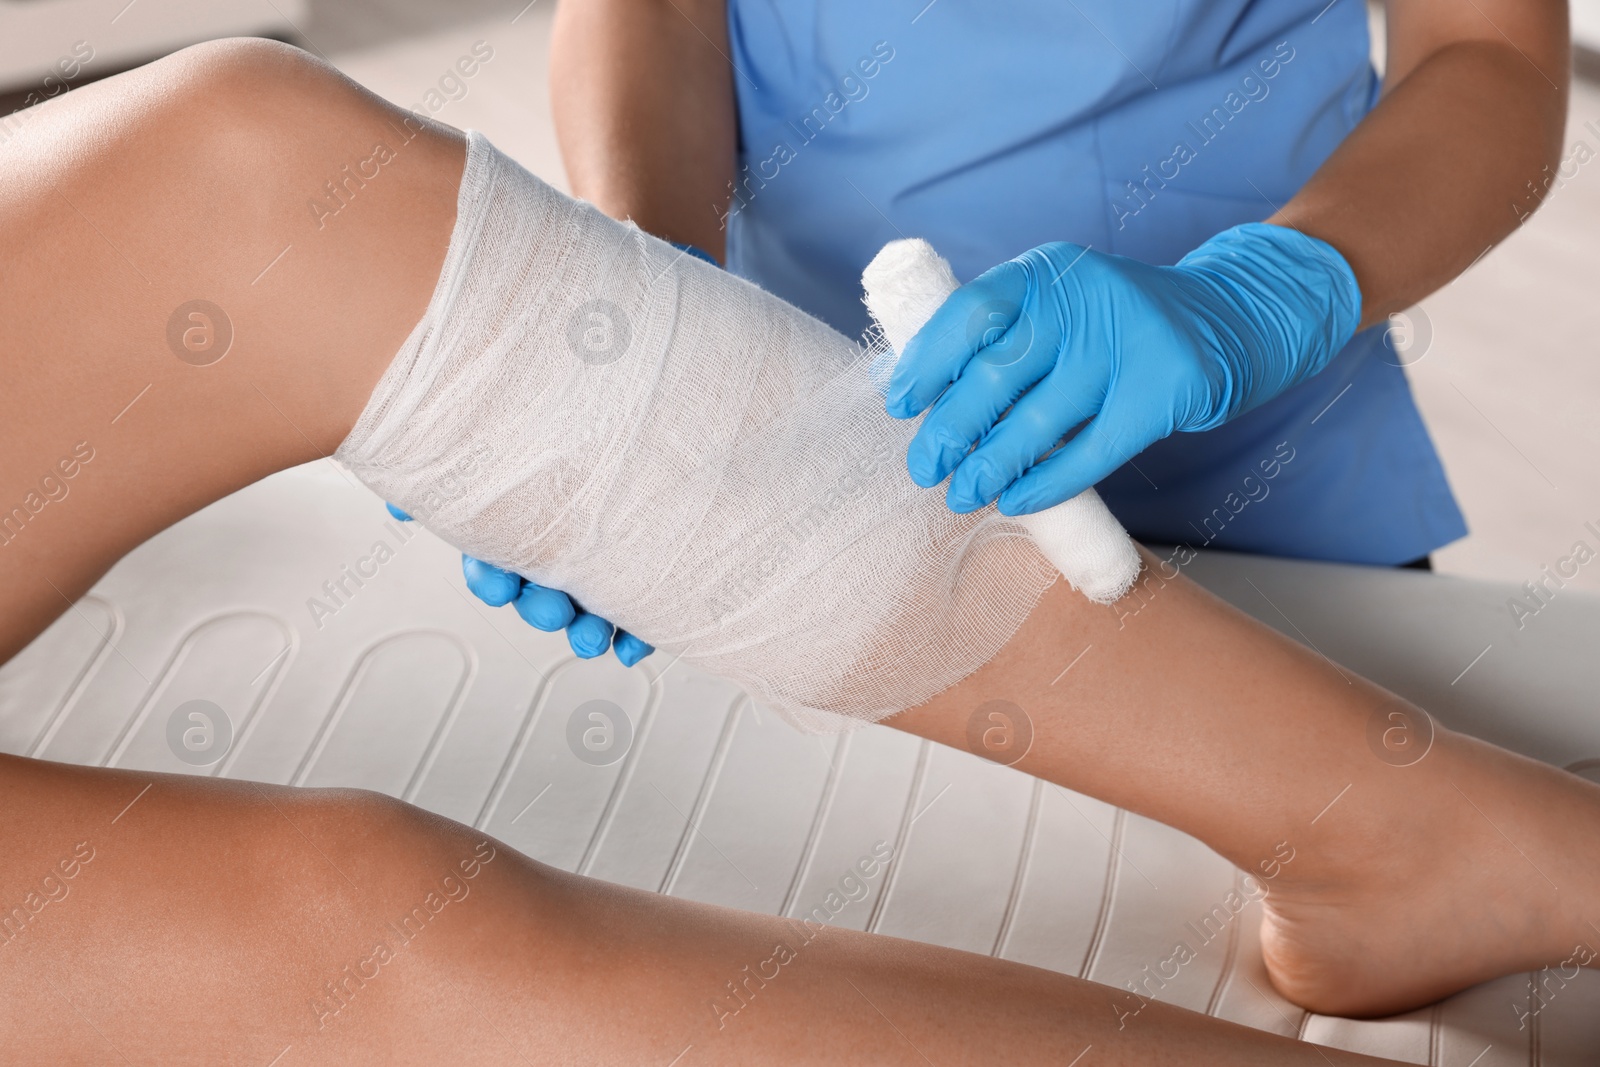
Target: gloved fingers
545 609
590 635
1034 425
976 316
396 512
630 649
551 610
1105 444
490 584
969 409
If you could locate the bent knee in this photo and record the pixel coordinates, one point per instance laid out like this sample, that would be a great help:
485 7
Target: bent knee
200 122
386 841
357 817
260 109
245 74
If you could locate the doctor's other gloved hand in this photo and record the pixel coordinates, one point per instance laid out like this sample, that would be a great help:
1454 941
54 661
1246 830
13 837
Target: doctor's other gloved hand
1064 337
546 609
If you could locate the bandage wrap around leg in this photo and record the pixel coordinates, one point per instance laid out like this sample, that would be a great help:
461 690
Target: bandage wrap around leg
687 455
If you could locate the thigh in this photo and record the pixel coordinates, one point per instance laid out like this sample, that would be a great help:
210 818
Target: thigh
157 918
182 309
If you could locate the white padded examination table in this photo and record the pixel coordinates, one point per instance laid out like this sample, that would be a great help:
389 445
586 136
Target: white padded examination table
410 686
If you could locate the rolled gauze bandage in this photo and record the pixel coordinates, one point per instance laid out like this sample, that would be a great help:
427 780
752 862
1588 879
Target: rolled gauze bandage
905 284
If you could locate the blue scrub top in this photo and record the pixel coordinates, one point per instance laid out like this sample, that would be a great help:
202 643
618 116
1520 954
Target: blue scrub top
1140 129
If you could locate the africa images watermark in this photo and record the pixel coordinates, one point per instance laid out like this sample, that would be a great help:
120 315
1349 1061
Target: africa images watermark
1253 88
851 88
53 889
199 732
1550 181
341 190
1253 489
1540 992
742 587
342 588
1399 734
599 732
337 993
1216 922
199 332
1553 577
999 731
67 69
853 886
53 488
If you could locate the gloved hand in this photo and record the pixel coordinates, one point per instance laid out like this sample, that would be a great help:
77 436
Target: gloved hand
1063 335
546 609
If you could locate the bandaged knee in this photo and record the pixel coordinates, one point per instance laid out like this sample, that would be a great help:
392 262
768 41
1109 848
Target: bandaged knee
686 455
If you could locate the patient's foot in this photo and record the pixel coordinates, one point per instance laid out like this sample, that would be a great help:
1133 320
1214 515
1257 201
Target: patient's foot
1471 864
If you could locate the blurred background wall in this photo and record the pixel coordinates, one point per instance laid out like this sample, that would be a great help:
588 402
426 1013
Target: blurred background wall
1503 361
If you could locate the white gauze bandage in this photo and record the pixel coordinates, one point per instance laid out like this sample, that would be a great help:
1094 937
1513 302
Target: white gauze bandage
905 284
686 455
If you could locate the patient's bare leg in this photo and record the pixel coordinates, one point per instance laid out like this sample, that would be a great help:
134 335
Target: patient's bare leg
191 920
1407 883
191 179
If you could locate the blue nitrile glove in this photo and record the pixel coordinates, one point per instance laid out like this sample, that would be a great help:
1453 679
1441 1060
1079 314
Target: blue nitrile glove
546 609
1015 360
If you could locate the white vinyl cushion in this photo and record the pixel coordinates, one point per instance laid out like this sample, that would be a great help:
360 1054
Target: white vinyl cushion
406 684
